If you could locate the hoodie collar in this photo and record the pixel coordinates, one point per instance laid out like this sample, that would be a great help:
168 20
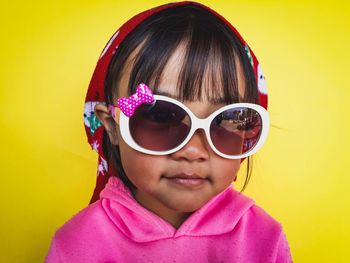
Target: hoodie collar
218 216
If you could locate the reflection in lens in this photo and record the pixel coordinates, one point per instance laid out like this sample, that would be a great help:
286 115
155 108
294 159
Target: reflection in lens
159 126
236 131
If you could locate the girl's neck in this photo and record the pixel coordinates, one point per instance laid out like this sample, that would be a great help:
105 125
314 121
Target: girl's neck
173 217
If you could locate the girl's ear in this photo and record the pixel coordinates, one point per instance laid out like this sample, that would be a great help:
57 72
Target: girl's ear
102 113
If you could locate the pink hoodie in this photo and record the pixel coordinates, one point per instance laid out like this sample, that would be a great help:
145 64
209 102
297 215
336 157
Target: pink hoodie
116 228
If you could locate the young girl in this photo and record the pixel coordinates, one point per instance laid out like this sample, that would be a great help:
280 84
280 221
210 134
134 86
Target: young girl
177 101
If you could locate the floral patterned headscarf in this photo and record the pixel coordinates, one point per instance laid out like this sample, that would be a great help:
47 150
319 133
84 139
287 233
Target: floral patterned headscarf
95 94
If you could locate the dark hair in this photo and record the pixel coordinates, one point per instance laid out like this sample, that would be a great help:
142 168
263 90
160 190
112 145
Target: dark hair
209 43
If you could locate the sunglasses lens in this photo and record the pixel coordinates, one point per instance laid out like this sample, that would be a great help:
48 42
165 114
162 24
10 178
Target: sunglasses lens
236 131
159 126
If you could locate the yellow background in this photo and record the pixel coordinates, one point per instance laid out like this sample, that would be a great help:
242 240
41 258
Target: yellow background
300 177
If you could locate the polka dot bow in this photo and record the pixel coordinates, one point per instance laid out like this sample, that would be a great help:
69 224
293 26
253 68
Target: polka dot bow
143 94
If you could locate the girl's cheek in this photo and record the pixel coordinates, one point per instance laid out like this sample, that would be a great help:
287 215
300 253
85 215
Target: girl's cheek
226 170
135 162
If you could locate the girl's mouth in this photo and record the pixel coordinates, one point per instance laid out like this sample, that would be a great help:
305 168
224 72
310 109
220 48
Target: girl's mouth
186 180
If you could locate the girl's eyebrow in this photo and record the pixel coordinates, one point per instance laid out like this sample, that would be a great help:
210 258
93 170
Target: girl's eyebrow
214 101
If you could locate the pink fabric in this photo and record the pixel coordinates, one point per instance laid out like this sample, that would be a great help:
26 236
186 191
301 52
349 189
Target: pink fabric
116 228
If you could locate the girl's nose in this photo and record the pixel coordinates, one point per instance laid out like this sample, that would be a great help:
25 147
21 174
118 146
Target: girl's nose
197 148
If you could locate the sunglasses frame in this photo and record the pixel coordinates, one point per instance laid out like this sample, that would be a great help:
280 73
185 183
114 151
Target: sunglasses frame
196 123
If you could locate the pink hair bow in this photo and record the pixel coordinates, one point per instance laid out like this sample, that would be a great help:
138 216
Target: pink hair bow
143 94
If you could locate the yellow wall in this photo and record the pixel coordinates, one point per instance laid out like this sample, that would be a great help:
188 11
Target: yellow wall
48 53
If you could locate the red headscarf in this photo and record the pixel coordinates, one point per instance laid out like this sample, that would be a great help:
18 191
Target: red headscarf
95 94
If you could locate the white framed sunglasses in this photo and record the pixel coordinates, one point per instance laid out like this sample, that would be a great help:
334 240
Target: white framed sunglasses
166 125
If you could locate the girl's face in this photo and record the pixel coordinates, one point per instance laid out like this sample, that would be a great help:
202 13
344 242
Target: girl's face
149 173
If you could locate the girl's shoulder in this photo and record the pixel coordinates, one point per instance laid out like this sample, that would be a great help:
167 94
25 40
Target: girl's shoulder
80 232
253 215
81 222
261 225
257 213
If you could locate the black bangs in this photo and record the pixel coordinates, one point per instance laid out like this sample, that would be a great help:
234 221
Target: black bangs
211 54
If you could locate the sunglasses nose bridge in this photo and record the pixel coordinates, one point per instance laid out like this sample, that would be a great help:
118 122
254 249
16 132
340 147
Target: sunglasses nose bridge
198 123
